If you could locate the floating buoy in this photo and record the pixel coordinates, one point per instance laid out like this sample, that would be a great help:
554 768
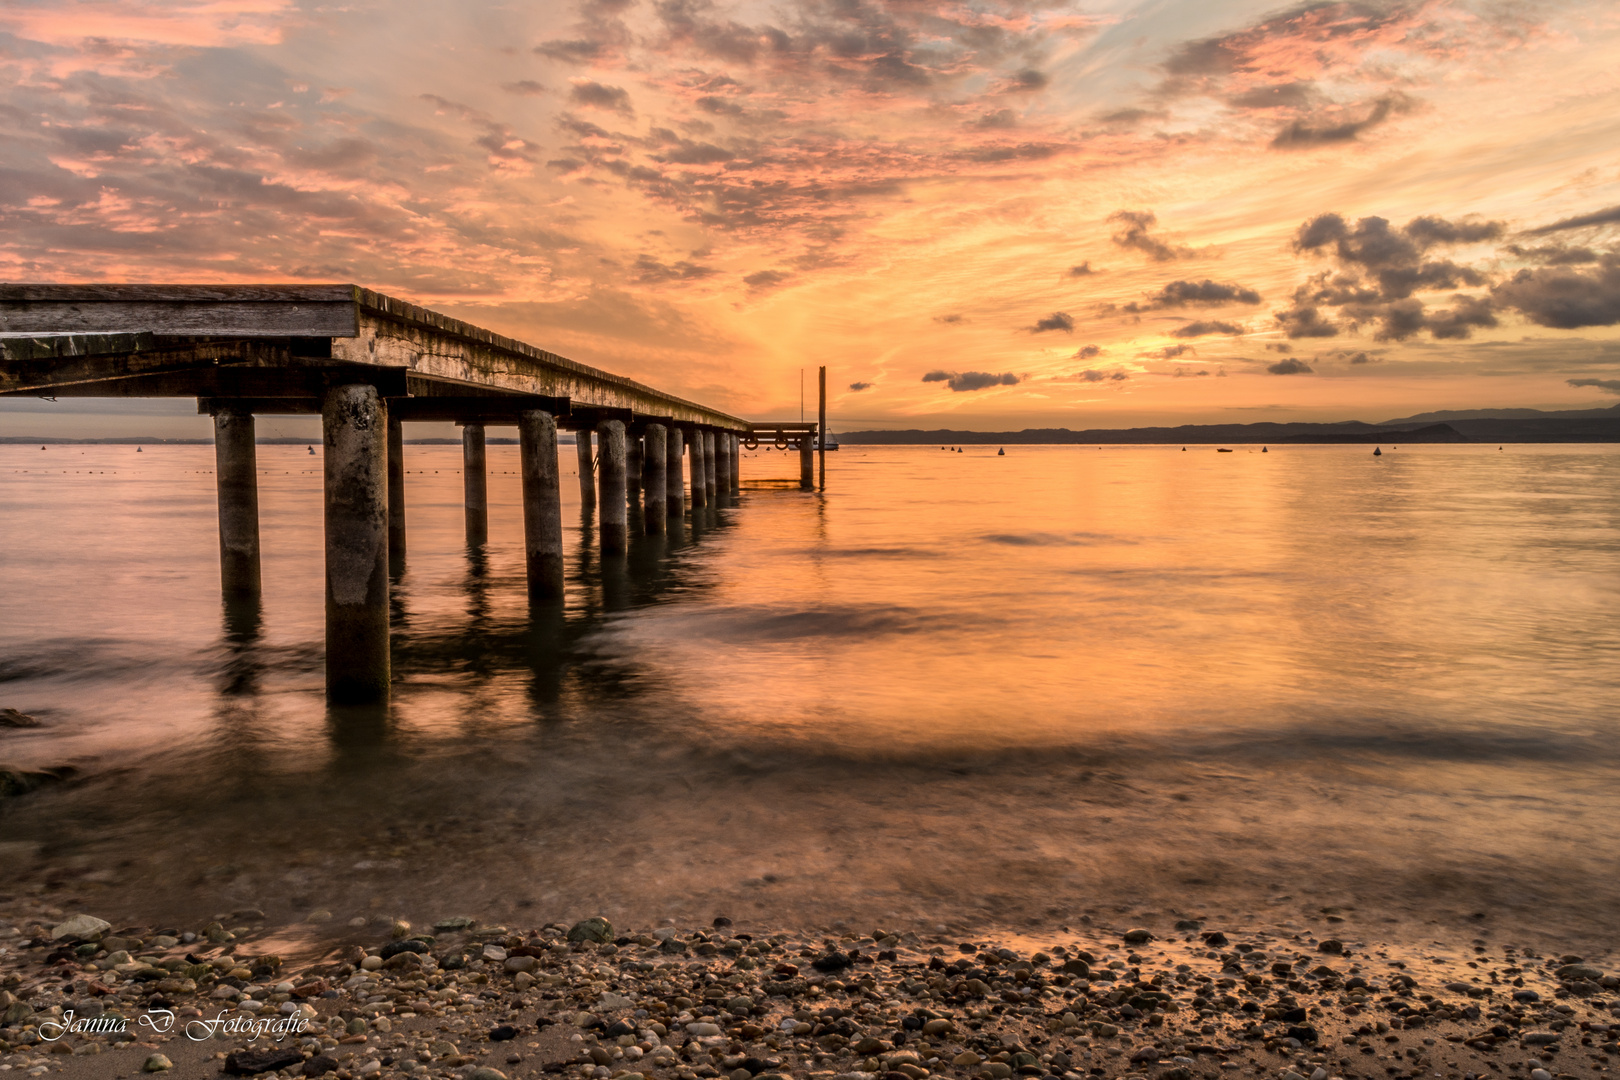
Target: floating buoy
1183 449
1262 449
312 451
137 449
1377 452
1001 453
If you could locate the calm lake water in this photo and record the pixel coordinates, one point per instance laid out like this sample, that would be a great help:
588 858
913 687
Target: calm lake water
955 688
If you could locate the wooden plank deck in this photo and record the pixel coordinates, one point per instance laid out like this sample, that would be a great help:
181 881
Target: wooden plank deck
287 342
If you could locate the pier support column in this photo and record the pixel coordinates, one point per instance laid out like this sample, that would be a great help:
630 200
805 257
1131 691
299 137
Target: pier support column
542 502
587 474
610 467
700 493
722 463
710 487
633 453
654 486
355 423
736 463
807 461
237 470
396 495
474 485
674 490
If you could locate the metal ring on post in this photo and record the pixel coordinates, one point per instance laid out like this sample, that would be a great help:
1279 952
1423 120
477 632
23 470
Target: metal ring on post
751 443
782 442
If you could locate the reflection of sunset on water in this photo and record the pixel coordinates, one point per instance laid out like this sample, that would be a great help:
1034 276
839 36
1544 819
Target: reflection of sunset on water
966 688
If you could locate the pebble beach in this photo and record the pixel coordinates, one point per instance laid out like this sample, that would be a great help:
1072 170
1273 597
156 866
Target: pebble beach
457 1000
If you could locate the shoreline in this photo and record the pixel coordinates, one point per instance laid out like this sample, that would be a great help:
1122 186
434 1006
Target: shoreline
744 1001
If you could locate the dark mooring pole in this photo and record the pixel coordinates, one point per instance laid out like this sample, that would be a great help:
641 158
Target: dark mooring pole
821 430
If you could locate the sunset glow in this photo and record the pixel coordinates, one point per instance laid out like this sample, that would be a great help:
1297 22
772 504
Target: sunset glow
976 214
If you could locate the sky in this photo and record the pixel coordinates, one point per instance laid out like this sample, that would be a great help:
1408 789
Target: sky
980 214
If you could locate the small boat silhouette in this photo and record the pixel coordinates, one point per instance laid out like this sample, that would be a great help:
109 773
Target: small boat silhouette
1222 450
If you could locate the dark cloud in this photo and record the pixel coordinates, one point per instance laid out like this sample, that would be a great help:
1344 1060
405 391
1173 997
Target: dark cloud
1126 118
1279 346
1290 366
1302 134
1610 216
1565 298
765 279
962 381
1555 254
1201 328
1134 236
1083 270
1058 320
857 387
1608 386
577 51
1088 351
1306 322
1289 95
1380 268
1169 352
527 88
1204 293
1029 79
695 153
1465 314
1190 373
595 95
1093 375
649 271
997 119
950 319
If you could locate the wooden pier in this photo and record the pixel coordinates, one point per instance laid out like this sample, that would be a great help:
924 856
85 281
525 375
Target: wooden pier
367 364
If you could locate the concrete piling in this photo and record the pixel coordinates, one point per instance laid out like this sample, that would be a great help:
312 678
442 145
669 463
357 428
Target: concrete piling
396 495
807 461
236 468
542 503
654 486
674 489
633 452
710 487
722 463
354 423
610 468
587 474
474 485
700 491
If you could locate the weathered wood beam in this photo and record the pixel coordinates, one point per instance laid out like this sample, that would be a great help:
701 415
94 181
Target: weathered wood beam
57 373
482 409
216 310
293 380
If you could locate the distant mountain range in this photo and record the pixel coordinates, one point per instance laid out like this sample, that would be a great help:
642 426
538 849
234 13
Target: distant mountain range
1478 426
1445 416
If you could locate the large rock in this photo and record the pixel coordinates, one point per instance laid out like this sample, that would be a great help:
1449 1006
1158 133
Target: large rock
85 927
597 929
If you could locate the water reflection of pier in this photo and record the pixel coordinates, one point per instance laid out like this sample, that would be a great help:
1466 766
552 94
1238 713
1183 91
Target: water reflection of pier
367 364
